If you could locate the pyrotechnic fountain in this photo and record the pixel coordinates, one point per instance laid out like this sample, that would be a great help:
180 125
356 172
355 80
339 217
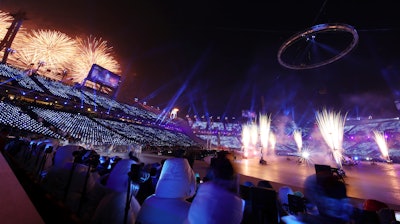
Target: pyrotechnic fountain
246 139
272 140
297 135
264 126
380 140
255 138
331 126
303 153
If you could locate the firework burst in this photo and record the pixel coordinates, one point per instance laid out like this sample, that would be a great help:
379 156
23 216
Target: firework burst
55 54
5 22
331 126
382 144
305 156
92 51
45 50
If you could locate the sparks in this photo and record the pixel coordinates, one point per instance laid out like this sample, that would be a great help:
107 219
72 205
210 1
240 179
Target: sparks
331 126
5 21
272 140
48 52
264 126
298 139
382 144
246 140
92 51
246 136
254 134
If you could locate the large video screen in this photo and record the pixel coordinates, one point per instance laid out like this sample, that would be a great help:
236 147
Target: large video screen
101 75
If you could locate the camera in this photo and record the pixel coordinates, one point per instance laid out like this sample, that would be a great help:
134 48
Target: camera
87 157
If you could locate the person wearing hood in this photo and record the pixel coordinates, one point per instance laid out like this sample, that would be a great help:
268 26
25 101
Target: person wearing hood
169 204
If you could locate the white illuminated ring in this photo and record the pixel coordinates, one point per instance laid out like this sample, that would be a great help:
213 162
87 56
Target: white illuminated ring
310 34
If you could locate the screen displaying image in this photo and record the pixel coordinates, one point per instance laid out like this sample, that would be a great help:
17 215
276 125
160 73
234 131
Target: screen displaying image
101 75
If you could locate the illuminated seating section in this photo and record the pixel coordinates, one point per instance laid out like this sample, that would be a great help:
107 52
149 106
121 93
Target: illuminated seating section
102 101
233 127
92 98
217 126
56 88
137 112
223 134
81 127
18 75
359 138
133 112
113 105
232 142
145 134
64 91
89 131
199 125
14 117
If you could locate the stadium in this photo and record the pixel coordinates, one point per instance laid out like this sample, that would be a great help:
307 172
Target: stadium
65 103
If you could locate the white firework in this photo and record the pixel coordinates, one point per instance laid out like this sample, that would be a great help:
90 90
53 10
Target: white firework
331 126
92 51
297 135
45 51
380 140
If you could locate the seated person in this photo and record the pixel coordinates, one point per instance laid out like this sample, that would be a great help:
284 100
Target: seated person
169 203
217 199
329 195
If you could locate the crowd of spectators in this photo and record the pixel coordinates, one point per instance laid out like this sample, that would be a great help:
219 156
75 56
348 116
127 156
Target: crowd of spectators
101 189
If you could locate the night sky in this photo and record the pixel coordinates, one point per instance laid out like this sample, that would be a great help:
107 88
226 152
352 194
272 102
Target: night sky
217 59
